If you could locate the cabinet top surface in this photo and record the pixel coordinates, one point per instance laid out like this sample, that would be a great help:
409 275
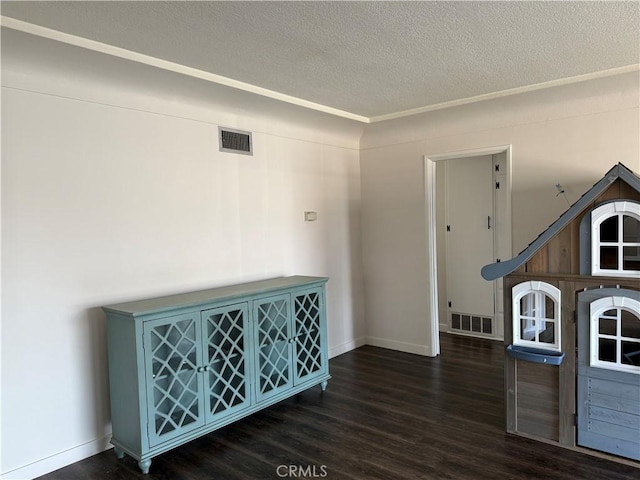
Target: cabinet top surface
230 292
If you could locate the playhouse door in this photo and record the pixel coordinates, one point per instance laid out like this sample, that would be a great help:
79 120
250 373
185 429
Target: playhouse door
609 371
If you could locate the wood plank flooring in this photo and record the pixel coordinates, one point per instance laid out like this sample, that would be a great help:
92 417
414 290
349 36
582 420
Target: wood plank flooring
385 415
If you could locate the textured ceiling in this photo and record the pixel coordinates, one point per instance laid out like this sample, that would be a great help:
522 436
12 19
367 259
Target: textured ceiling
371 59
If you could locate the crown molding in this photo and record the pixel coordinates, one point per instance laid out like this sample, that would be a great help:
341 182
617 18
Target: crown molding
212 77
171 66
511 91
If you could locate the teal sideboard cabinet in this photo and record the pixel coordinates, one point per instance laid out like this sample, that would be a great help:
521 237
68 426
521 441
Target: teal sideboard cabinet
184 365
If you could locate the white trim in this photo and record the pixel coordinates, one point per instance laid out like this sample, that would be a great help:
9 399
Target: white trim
432 254
171 66
540 289
596 309
429 164
58 460
474 152
511 91
599 215
211 77
400 346
346 347
462 333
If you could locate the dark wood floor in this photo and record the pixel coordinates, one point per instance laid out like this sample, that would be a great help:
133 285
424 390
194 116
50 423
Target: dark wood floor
385 415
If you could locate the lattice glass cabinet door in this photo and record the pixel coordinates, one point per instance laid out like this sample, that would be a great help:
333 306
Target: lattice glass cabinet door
273 337
226 382
309 355
172 349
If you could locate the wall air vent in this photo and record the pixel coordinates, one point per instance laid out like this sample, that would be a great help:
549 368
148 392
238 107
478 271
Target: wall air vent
235 141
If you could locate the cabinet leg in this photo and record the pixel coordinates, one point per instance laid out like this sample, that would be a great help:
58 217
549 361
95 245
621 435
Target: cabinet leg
323 385
119 452
144 465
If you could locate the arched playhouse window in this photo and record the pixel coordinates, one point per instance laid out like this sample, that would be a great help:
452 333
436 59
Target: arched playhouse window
536 315
615 334
615 239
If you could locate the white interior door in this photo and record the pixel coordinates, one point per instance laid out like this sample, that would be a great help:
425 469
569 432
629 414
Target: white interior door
470 243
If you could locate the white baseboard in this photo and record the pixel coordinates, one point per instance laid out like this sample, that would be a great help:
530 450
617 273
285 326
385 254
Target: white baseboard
75 454
58 460
443 327
474 335
346 347
400 346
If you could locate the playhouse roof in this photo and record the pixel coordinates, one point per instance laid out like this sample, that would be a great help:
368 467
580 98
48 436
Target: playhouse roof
619 171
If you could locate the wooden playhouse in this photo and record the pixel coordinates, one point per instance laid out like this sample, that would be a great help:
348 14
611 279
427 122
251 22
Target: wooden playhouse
572 324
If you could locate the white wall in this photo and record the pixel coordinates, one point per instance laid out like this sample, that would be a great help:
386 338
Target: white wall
113 189
570 135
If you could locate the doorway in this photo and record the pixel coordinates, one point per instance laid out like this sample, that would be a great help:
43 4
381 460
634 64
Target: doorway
500 223
466 224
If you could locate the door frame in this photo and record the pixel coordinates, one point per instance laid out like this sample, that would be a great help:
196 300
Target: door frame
503 225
